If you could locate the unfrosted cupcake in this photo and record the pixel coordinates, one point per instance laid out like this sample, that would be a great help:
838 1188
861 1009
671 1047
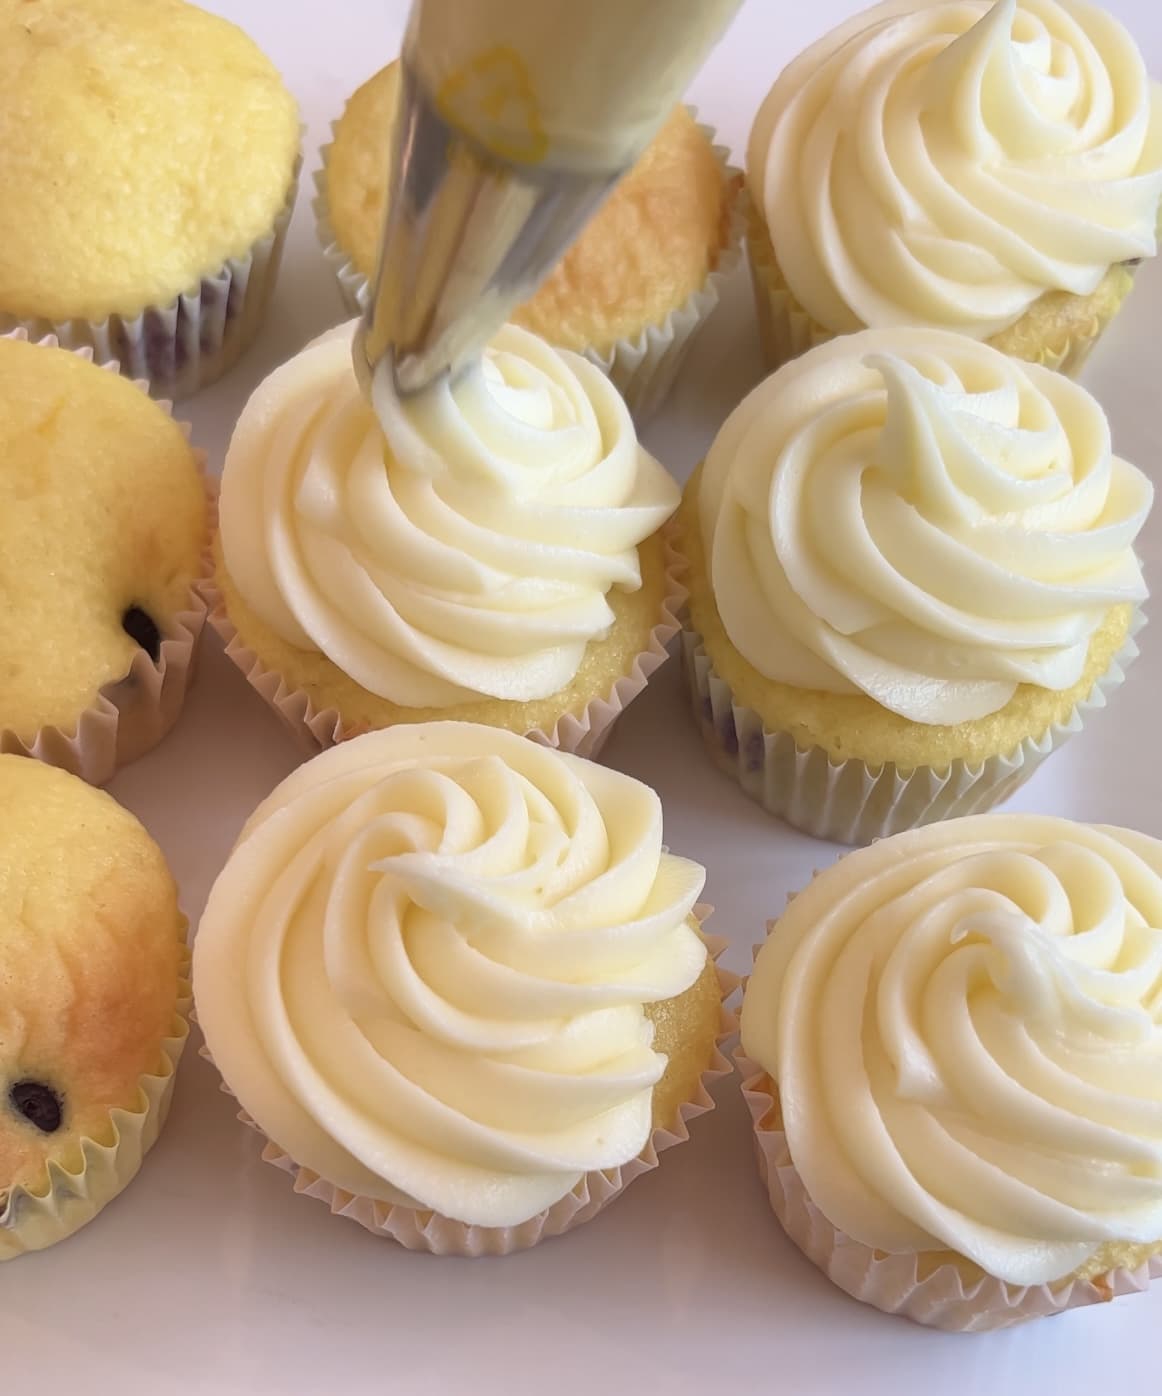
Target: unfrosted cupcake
459 984
103 537
92 958
994 169
488 551
629 294
953 1057
911 573
148 158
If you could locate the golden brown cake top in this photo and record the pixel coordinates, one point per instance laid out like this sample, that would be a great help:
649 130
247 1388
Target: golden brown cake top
651 245
90 937
143 143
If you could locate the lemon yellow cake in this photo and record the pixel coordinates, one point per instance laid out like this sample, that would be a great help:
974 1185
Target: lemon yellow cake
523 1067
489 552
951 1056
989 168
148 156
911 571
103 532
91 958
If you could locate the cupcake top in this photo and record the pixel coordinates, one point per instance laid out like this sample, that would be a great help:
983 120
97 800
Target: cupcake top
964 1025
910 515
102 531
143 143
90 935
649 247
425 968
947 162
460 543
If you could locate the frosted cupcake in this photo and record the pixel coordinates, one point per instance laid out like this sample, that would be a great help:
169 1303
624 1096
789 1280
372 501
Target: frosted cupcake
489 551
994 169
911 574
953 1059
459 984
148 158
642 277
92 998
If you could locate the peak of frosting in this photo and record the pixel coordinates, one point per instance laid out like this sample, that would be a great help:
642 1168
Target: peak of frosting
911 515
965 1028
423 969
946 163
464 542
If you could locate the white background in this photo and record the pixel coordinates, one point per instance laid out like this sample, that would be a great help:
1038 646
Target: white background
210 1276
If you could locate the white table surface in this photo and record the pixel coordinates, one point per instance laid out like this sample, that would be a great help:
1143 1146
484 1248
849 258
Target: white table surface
209 1276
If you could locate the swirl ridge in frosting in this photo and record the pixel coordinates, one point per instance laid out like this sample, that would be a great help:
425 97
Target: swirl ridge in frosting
423 970
948 163
456 544
965 1028
911 515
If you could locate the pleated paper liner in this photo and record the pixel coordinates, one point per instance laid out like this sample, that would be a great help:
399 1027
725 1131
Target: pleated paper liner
786 330
315 729
642 368
849 801
948 1293
183 346
130 715
425 1230
32 1219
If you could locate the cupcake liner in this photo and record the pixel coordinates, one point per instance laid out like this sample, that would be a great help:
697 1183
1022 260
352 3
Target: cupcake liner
786 330
31 1220
942 1297
130 715
314 729
189 343
424 1230
849 801
642 368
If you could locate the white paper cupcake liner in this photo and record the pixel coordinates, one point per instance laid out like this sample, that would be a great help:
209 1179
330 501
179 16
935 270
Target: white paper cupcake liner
187 344
33 1220
785 328
849 801
643 368
424 1230
132 714
942 1296
314 729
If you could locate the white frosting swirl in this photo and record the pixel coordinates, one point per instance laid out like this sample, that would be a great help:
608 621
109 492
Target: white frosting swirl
477 559
911 515
965 1028
946 162
423 969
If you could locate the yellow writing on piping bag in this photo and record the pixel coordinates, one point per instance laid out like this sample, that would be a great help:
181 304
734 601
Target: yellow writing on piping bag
491 98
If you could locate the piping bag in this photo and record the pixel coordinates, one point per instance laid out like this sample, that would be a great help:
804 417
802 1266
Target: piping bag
516 118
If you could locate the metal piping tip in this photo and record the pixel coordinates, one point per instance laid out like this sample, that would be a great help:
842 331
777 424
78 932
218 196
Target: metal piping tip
469 237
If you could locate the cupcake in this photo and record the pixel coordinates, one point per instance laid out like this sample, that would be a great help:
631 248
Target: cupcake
459 984
92 958
149 158
488 551
629 294
953 1058
993 169
911 574
103 537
